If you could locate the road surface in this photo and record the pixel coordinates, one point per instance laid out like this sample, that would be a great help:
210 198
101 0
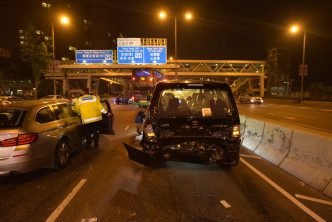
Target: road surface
104 185
304 116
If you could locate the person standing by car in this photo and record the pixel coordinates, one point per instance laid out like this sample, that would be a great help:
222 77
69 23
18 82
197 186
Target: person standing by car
90 109
73 101
139 119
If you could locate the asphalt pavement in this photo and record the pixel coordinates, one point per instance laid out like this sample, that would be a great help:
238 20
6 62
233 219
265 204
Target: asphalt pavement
104 185
317 119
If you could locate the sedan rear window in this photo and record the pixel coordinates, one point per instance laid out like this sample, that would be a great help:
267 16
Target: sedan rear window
10 118
194 102
44 115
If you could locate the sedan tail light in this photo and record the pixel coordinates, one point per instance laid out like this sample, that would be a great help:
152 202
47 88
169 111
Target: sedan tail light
20 140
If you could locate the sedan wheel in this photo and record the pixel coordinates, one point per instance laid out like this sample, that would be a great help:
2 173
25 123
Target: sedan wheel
62 154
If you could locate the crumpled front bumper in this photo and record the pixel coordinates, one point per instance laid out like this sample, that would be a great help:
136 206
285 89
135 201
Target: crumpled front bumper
200 150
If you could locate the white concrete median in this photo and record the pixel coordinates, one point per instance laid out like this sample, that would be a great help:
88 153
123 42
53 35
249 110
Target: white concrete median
275 144
304 155
310 159
253 134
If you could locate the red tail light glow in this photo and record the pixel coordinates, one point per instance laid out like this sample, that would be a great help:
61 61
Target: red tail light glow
20 140
133 78
9 142
27 138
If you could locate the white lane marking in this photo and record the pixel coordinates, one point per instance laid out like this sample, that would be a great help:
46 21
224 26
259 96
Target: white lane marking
89 219
289 117
313 199
250 156
224 202
284 192
285 116
127 127
64 203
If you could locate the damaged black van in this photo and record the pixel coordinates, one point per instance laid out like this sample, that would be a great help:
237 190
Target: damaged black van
191 121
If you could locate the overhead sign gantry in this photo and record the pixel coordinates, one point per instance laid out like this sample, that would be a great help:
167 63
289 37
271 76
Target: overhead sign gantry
133 51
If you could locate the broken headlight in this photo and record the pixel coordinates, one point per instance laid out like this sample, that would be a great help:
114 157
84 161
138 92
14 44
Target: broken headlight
236 131
149 133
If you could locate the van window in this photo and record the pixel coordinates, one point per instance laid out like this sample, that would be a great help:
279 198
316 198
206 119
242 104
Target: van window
44 115
194 102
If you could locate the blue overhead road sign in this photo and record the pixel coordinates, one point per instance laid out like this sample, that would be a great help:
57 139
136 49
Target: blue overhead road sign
94 56
156 55
142 55
130 55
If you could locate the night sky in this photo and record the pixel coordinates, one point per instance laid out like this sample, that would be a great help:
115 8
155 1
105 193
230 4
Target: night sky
221 29
237 29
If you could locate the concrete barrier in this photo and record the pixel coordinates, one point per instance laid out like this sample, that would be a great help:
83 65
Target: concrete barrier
243 123
304 155
253 134
275 144
328 189
310 159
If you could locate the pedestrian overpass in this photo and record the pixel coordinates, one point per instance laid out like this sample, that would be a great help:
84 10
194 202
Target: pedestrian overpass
234 72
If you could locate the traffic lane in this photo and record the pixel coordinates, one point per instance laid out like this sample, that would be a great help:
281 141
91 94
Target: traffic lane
307 117
290 183
112 177
30 197
176 191
124 190
44 189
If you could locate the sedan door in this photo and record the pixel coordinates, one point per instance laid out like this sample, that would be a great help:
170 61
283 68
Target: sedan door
71 122
108 121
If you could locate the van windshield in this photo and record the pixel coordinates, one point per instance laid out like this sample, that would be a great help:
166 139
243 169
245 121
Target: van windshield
194 102
10 118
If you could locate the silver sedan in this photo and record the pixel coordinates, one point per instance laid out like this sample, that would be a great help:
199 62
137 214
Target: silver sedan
36 134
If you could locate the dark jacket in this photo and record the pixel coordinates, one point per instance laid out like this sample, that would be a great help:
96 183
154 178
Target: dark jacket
140 117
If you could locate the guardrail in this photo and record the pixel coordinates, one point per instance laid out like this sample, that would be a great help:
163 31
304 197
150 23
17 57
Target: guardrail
304 155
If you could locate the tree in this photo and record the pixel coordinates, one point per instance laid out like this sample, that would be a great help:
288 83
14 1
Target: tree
34 49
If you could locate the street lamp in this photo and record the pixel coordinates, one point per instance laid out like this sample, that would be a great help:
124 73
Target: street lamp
63 20
296 29
187 16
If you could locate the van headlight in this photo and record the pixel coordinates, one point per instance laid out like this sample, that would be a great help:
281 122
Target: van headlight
236 131
149 133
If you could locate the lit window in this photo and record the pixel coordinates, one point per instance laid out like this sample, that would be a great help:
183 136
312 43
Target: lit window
109 34
21 31
64 58
85 21
47 38
86 43
21 42
44 4
22 37
48 5
72 48
38 32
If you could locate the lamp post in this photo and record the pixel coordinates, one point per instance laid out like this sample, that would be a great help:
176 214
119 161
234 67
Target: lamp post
187 16
295 29
64 20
